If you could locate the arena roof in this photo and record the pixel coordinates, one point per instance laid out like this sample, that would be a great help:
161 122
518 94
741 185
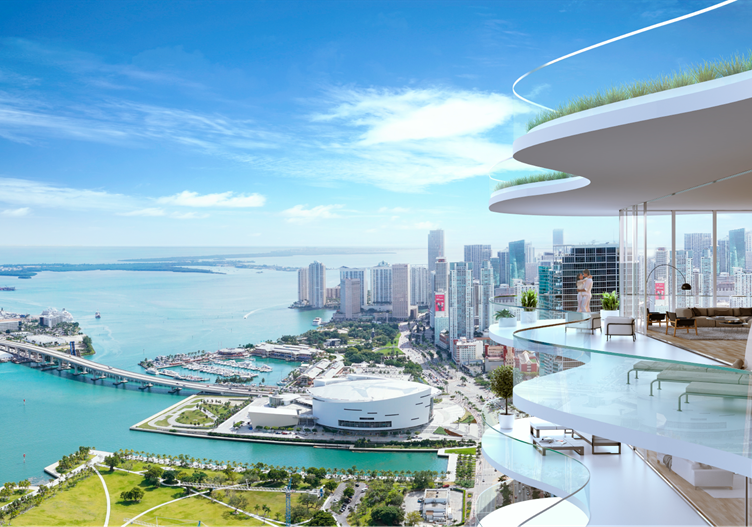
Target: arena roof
366 390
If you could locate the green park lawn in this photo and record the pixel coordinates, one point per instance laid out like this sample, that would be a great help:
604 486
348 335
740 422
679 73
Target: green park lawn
194 417
466 451
197 509
118 482
84 504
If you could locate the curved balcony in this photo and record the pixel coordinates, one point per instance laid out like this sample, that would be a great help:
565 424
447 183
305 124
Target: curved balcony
556 473
641 125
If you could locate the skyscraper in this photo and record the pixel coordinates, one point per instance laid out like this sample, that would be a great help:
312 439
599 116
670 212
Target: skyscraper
477 254
558 237
706 281
303 284
723 256
737 250
661 259
435 248
356 274
697 242
461 315
441 278
317 284
350 297
504 267
516 261
496 266
486 295
401 291
381 284
420 287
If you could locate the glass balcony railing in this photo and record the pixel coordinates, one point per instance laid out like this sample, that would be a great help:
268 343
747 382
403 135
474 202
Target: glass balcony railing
694 47
554 472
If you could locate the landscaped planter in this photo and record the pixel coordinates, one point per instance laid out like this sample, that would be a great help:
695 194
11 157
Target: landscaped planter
506 422
529 317
606 313
507 322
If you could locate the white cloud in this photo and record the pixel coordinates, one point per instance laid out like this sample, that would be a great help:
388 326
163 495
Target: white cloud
299 214
394 210
188 215
32 193
224 200
426 225
150 212
16 213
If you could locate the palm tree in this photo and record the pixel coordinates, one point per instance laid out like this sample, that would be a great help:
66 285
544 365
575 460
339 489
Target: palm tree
256 508
266 510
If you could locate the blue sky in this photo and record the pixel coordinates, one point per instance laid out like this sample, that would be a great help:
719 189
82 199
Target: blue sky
298 123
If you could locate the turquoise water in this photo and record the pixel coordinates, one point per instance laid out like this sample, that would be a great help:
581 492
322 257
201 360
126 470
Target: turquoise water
148 314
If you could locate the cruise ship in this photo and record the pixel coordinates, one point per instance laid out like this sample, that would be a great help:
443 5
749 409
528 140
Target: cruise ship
316 321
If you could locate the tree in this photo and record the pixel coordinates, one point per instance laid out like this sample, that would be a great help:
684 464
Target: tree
170 476
266 509
238 501
388 515
256 508
331 485
299 513
153 475
112 461
413 518
349 492
423 479
309 501
502 384
322 519
136 494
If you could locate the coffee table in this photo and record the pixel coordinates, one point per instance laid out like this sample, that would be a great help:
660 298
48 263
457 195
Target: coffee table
556 444
729 322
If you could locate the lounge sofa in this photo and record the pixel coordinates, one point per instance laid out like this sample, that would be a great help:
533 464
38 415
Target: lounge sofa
702 315
699 474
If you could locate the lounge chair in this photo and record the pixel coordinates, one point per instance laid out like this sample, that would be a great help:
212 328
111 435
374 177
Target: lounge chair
711 389
717 377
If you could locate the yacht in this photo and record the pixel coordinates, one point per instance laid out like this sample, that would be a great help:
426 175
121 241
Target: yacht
316 321
152 371
97 315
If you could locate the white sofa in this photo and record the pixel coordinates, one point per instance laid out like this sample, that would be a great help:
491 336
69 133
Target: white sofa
619 326
701 475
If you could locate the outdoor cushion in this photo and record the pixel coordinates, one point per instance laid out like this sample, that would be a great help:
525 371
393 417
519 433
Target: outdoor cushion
700 376
684 312
685 367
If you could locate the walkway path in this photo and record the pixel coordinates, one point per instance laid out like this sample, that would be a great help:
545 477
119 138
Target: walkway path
106 495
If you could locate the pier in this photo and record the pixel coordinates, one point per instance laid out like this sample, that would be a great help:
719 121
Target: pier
79 366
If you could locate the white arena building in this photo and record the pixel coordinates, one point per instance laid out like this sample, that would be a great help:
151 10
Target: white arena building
361 402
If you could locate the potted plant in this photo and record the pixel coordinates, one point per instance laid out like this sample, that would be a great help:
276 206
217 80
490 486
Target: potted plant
502 386
529 300
505 318
609 306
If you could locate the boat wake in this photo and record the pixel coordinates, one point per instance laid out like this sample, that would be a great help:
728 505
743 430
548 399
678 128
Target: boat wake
252 312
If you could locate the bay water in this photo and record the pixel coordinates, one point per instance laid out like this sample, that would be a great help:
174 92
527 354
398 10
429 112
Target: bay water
145 314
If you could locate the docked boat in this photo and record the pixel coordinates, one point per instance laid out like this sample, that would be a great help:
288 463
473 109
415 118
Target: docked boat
316 321
152 371
97 315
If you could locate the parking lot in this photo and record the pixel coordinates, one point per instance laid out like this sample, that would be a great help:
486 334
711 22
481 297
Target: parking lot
339 506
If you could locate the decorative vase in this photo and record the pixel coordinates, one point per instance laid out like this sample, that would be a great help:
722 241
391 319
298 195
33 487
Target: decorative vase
529 317
507 322
606 313
506 422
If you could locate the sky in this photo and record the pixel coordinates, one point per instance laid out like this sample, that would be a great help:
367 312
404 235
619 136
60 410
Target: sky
352 123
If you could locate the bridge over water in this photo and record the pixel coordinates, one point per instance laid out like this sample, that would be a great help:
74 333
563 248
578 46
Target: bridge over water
60 360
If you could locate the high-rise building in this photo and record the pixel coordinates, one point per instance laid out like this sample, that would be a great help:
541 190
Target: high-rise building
661 259
516 261
303 284
748 241
401 291
737 249
603 263
420 285
531 272
558 237
529 253
706 281
697 242
381 284
496 266
435 248
477 254
504 267
486 296
317 284
441 278
350 291
461 315
723 256
360 275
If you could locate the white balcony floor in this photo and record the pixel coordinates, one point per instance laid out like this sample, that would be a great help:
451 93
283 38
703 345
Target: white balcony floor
624 490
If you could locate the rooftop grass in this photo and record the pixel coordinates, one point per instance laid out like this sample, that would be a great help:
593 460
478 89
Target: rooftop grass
696 74
535 178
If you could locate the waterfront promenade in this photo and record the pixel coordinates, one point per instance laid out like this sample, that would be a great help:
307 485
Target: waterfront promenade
81 366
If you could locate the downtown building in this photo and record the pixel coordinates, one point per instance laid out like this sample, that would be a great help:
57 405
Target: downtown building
420 285
477 254
317 284
401 291
361 275
435 248
461 313
381 284
350 300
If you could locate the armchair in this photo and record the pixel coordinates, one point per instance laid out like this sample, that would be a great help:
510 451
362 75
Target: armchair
676 323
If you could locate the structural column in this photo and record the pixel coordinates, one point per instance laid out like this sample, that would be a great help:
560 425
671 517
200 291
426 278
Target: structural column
714 271
673 262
